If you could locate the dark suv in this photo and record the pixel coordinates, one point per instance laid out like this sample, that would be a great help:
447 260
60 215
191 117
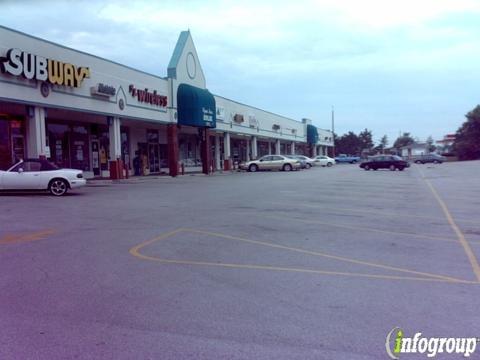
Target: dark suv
430 158
391 162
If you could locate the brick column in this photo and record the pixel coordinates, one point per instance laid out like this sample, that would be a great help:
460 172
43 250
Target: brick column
205 151
172 141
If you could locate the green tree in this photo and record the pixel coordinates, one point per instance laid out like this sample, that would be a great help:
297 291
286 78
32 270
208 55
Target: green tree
348 144
467 138
430 147
382 144
366 140
404 140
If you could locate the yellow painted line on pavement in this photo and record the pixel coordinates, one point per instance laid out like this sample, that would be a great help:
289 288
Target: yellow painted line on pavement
300 270
135 251
461 238
328 208
350 227
16 238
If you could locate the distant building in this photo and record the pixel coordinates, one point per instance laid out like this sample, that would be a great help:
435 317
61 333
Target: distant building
445 146
414 149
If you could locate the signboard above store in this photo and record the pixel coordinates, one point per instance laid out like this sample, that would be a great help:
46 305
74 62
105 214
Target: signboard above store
103 90
252 121
149 97
34 67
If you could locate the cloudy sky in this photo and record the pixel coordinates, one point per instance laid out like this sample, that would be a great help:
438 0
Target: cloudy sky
388 66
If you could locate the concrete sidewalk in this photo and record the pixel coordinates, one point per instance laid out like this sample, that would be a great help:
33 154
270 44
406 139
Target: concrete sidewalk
142 179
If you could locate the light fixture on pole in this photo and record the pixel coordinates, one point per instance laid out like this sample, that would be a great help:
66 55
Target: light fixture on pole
333 131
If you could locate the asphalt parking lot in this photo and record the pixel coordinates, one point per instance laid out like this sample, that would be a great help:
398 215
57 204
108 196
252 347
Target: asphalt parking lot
316 264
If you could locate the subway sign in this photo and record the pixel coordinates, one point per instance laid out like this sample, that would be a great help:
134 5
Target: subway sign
34 67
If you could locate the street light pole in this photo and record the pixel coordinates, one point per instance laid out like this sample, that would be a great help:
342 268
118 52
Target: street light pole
333 131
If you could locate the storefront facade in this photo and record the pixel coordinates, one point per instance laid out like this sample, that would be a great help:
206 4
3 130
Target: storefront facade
110 120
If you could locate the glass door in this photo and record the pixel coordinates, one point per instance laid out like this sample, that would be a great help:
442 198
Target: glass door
18 147
154 157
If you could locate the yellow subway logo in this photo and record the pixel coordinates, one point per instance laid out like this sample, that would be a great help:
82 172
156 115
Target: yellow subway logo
35 67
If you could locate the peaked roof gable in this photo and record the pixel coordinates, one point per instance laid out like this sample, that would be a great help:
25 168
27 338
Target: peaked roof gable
184 65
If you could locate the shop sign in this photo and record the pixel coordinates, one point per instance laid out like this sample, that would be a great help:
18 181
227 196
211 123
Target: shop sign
207 116
34 67
103 90
252 121
220 113
148 97
276 127
238 118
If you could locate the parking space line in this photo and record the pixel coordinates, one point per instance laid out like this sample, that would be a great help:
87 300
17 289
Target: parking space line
373 212
350 227
463 241
135 251
17 238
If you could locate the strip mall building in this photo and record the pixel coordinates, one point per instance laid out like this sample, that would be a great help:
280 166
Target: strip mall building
85 112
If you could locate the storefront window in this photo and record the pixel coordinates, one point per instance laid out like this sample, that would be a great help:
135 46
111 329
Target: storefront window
79 150
125 146
58 139
104 147
5 156
189 149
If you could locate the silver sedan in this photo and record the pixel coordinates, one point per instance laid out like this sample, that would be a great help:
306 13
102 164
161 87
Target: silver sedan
272 162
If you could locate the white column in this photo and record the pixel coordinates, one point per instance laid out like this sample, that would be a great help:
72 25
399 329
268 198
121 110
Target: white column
314 150
292 148
269 147
277 147
248 150
217 152
226 146
115 138
254 147
36 134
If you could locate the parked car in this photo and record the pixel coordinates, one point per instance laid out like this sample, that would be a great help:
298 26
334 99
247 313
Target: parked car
430 158
342 158
324 160
272 162
306 162
37 174
391 162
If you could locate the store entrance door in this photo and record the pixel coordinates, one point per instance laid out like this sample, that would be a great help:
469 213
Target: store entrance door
154 157
18 147
95 157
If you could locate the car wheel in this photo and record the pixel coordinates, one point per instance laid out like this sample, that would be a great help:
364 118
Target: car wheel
353 162
418 162
308 166
58 187
329 164
287 167
436 162
392 167
400 168
253 168
367 167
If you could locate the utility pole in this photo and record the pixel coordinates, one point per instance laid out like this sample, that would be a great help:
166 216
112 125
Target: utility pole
333 131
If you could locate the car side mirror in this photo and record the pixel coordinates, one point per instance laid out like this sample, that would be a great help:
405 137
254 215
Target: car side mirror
20 170
261 160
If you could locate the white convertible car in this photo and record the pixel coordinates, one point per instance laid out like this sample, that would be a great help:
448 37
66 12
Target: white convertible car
37 174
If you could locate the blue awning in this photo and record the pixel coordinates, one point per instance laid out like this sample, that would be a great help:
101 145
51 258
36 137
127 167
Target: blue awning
195 107
312 134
